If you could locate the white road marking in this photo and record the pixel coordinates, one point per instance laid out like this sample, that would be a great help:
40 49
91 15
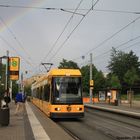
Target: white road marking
38 130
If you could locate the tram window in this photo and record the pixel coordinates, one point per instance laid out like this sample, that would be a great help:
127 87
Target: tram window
37 95
41 92
34 93
46 92
67 89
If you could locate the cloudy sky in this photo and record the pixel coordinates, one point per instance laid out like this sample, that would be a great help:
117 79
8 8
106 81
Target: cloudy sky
46 31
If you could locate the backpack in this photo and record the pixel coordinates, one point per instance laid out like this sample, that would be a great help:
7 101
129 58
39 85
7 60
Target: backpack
19 97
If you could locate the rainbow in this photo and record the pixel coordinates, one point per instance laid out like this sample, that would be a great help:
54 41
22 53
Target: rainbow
22 12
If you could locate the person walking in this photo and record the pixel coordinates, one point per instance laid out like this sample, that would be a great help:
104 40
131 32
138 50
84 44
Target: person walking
19 102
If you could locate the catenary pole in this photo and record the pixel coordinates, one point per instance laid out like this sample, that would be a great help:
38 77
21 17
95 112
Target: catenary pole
7 72
90 88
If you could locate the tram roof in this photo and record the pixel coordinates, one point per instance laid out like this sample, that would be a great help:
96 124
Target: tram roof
64 72
58 72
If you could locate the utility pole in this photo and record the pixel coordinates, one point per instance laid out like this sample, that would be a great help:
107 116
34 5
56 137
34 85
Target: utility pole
10 89
91 80
7 73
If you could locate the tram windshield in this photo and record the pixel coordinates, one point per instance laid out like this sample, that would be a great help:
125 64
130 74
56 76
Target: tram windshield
67 90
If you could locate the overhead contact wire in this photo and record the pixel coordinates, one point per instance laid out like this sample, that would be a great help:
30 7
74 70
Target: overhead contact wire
53 46
72 31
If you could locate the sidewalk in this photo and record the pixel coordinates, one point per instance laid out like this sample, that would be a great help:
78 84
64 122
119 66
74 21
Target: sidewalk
32 125
124 109
15 130
19 127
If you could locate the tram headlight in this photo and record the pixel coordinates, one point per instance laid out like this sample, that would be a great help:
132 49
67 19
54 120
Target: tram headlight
57 109
79 108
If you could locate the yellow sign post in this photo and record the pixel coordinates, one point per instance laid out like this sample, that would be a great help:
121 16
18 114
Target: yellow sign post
91 83
14 64
14 77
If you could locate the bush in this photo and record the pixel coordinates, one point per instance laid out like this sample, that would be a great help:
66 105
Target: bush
137 97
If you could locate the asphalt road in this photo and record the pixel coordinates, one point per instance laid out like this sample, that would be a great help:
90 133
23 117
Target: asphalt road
100 125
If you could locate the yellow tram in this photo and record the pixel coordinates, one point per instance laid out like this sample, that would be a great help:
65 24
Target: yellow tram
59 93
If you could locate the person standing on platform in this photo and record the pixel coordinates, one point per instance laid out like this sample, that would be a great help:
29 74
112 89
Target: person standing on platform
19 102
6 98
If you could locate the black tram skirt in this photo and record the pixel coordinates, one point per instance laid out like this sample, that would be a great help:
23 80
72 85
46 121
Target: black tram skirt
67 115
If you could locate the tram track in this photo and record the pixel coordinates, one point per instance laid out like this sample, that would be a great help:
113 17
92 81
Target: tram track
96 124
69 132
115 117
88 132
101 125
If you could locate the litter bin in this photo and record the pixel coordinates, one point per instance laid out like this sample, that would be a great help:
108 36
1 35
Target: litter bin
4 116
116 102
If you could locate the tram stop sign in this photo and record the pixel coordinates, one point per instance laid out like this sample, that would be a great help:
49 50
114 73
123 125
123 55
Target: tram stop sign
14 64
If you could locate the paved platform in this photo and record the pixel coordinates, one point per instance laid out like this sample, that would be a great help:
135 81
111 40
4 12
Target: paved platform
125 109
32 125
15 130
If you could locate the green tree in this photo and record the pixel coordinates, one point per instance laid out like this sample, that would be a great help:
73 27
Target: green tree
68 64
99 80
2 82
98 77
85 78
121 62
14 89
2 79
114 82
27 90
131 77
